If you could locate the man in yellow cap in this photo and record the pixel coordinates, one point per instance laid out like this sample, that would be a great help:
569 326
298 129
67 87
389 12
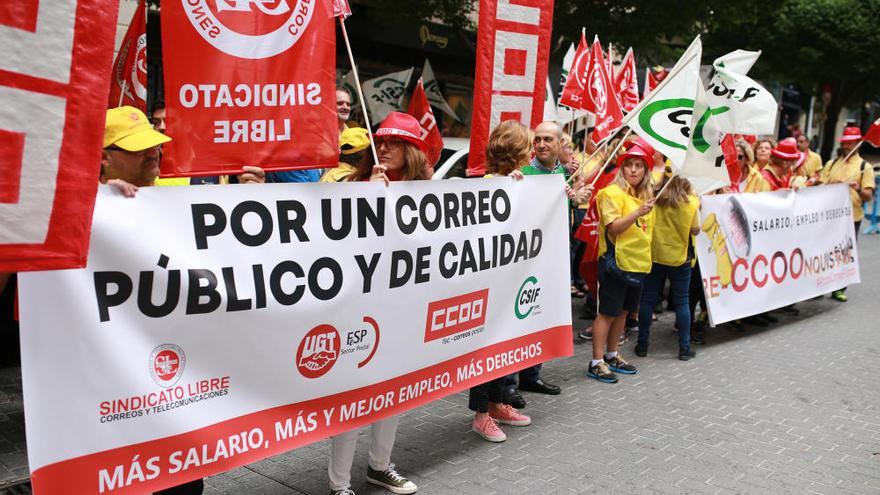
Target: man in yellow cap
354 156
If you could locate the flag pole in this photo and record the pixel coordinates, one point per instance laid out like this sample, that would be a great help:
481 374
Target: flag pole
122 92
607 159
674 175
360 92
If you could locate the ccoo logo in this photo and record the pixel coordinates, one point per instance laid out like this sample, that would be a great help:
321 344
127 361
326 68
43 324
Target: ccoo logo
252 29
526 302
598 91
166 364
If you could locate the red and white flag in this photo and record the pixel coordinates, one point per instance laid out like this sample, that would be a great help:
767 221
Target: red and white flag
626 82
600 98
341 9
652 79
573 91
421 110
873 134
129 83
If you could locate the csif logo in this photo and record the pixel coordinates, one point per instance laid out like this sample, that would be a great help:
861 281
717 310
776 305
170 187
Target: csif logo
526 303
251 29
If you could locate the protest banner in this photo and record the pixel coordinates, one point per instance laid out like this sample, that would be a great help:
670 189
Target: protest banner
54 79
254 86
759 252
513 50
246 323
129 83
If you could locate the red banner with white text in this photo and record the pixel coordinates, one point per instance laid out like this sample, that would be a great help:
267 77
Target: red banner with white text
513 48
254 86
54 75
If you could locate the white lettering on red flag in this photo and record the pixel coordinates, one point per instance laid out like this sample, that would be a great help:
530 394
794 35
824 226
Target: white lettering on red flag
54 75
261 93
626 82
599 96
421 110
259 329
576 83
130 67
513 49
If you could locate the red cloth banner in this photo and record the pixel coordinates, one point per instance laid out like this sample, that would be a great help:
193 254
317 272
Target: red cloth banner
626 82
600 97
54 76
261 92
130 67
421 110
873 134
573 91
513 50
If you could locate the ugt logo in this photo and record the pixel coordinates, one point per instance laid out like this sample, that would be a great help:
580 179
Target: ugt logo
527 299
252 29
318 351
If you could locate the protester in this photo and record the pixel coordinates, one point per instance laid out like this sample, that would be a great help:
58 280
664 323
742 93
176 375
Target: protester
157 116
401 157
854 171
745 155
130 160
625 229
812 161
778 173
507 151
672 253
354 157
343 108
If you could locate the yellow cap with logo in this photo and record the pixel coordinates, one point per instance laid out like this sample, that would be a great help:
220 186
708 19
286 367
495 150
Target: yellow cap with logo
128 128
354 139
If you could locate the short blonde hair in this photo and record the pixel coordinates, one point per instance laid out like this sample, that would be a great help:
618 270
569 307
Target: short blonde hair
509 147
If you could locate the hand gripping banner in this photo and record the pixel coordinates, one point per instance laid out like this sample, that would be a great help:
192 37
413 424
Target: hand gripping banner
249 83
54 78
513 49
248 323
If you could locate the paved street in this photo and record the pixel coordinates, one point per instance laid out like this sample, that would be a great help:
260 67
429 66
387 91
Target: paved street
792 409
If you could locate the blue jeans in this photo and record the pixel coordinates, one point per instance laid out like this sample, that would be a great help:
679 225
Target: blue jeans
679 286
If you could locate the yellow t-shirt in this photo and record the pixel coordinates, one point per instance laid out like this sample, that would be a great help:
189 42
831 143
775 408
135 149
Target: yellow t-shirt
838 171
342 172
632 248
672 232
755 182
812 164
171 181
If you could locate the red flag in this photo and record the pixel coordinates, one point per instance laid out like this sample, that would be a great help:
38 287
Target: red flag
734 168
258 95
130 67
626 82
573 91
421 110
873 134
653 77
341 9
600 97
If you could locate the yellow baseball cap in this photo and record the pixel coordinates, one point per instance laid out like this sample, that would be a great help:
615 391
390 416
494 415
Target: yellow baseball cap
128 128
353 139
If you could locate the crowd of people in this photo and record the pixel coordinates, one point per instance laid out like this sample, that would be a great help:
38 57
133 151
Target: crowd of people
645 220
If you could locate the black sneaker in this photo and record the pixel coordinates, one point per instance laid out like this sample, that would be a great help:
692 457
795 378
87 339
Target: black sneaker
631 323
618 365
641 350
686 354
391 480
586 334
347 491
602 373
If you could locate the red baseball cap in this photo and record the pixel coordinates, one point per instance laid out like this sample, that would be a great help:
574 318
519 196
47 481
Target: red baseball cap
851 134
638 149
402 126
786 150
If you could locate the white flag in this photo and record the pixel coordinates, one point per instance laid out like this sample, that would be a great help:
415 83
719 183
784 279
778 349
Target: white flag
704 161
549 104
432 90
384 94
752 109
564 113
347 83
664 118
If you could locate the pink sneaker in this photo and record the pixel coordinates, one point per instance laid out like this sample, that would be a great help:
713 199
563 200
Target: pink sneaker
486 427
508 415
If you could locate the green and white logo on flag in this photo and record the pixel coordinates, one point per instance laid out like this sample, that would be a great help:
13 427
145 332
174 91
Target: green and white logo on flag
752 108
384 94
432 91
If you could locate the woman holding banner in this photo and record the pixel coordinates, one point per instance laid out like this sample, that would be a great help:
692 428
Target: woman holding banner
626 224
672 254
401 157
509 149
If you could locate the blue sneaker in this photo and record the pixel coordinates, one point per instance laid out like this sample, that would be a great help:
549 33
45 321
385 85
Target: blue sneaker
602 373
618 365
